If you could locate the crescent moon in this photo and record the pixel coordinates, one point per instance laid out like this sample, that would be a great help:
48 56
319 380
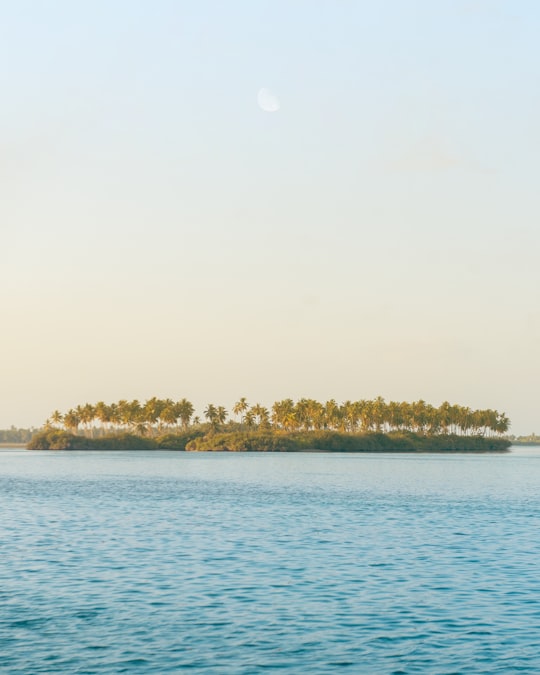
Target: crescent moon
267 101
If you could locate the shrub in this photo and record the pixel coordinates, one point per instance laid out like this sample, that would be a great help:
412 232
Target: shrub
178 441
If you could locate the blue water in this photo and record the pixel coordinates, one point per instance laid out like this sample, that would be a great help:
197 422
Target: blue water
168 562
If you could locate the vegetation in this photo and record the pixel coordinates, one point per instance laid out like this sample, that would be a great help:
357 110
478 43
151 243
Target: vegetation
531 439
156 417
332 441
14 435
272 441
55 439
355 426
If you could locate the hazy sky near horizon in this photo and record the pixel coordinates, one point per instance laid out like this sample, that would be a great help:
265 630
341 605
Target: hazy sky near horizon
161 234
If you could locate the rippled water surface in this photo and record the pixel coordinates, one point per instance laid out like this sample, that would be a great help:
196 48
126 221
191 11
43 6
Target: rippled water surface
245 563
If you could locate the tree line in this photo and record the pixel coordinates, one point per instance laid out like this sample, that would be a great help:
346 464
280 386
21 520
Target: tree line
156 416
16 435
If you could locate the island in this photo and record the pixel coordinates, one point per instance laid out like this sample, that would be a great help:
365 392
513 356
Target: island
287 426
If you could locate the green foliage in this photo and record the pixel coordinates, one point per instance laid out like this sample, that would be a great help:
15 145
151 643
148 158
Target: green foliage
352 426
52 439
452 442
272 441
120 442
56 439
178 441
331 441
260 441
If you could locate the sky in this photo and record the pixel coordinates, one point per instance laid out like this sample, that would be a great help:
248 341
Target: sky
377 232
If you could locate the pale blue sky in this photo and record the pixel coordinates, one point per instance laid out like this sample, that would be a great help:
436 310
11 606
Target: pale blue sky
162 235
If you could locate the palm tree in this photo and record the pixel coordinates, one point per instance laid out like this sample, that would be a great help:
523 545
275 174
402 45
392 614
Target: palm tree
492 417
152 410
211 414
444 415
315 413
405 412
87 414
249 418
331 413
290 422
318 416
141 427
395 419
184 412
465 420
365 409
261 413
303 410
79 411
114 415
350 416
169 413
433 420
103 414
264 418
124 414
72 421
380 413
502 424
284 414
56 418
240 408
420 415
221 415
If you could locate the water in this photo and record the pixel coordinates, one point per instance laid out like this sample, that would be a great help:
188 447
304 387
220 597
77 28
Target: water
245 563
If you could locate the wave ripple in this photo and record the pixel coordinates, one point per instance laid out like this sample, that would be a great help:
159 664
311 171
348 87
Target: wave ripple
160 562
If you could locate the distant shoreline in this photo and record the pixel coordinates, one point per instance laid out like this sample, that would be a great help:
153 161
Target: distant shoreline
529 443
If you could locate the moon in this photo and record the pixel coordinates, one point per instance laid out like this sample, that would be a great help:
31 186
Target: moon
267 101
